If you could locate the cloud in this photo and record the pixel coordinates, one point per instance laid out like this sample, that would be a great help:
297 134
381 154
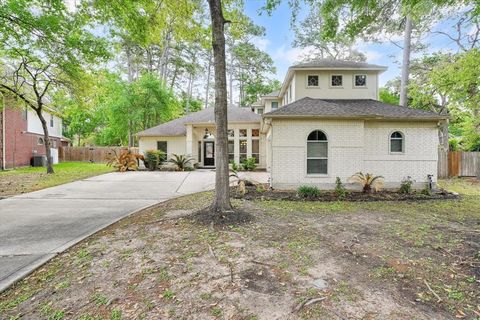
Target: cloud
261 43
291 55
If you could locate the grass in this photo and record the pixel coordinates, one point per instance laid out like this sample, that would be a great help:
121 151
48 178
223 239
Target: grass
29 179
397 255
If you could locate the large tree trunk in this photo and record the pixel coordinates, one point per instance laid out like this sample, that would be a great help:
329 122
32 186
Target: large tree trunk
46 138
130 80
407 42
222 193
207 90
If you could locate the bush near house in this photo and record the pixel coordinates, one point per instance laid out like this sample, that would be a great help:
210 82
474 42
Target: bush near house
153 159
249 164
367 181
125 161
181 162
308 192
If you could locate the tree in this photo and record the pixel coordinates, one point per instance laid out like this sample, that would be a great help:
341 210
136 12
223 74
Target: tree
259 87
221 203
45 47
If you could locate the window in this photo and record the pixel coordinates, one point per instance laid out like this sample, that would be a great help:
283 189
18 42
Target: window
317 153
274 104
337 80
162 145
396 142
231 150
231 133
360 80
260 110
199 150
243 132
243 150
40 141
256 150
51 120
312 81
255 133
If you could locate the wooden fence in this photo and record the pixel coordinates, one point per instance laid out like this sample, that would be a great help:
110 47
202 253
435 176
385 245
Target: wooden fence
90 154
458 164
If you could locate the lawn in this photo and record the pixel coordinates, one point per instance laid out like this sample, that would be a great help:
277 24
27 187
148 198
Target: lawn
29 179
295 260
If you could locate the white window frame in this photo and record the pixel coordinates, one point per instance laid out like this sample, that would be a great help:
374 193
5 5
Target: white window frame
366 80
312 75
258 111
330 81
251 142
271 104
316 158
390 143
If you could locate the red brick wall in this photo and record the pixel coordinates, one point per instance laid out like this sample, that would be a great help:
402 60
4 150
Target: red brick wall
21 145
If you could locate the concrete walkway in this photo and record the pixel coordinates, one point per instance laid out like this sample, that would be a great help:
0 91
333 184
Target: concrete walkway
36 226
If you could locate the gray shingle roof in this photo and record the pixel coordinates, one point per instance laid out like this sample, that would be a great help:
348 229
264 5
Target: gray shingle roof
330 63
177 127
272 94
358 108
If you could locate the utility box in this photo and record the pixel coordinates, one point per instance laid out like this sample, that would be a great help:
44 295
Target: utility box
39 161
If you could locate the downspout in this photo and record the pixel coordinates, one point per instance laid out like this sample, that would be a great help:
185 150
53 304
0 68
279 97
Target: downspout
4 166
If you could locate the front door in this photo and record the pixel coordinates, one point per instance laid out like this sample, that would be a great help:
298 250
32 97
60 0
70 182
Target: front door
209 153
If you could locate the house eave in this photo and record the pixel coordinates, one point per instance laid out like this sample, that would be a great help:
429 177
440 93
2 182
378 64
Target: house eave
367 118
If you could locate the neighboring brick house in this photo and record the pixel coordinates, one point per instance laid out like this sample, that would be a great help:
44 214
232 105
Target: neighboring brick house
324 122
21 136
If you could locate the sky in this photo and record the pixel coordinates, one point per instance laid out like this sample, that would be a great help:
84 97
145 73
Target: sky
279 37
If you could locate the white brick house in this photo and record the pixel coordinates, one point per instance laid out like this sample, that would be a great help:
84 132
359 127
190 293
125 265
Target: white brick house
325 122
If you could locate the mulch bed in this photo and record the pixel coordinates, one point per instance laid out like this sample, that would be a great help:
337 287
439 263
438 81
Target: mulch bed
254 193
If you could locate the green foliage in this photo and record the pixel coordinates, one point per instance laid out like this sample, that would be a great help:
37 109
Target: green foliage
367 181
154 158
257 87
308 192
249 164
406 185
122 107
180 161
234 166
340 190
388 96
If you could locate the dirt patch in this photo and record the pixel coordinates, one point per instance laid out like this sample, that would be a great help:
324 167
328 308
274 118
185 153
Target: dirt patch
210 217
255 193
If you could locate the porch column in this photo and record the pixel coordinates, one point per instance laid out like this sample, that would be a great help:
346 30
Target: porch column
189 141
236 145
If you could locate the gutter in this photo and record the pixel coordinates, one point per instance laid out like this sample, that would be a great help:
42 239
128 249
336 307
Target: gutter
4 157
369 117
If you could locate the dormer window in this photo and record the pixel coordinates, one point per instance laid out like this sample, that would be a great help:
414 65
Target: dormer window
274 104
312 80
336 80
260 110
360 80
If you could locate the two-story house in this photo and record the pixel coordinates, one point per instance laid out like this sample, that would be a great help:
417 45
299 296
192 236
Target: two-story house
21 136
324 122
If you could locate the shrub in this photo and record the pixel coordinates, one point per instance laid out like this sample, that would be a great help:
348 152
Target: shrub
340 189
153 159
234 166
406 185
240 182
308 192
125 161
367 181
180 161
249 164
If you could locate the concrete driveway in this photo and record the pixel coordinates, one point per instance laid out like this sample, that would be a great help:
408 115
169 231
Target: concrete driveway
36 226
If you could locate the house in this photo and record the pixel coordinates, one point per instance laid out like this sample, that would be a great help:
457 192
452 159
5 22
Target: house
21 136
324 122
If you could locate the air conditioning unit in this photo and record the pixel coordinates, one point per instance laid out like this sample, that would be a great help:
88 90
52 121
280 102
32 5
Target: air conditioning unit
39 161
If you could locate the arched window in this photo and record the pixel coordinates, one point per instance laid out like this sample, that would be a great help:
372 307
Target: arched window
317 153
397 142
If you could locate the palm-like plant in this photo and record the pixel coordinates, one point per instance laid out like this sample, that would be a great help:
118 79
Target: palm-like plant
125 161
181 161
240 181
367 181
